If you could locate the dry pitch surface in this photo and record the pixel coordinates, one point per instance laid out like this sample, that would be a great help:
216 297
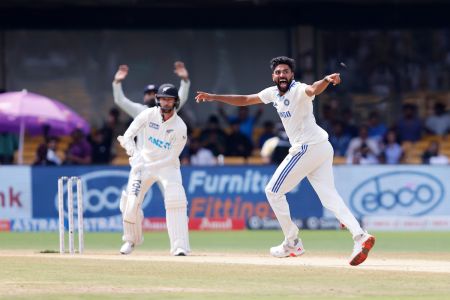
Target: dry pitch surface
435 265
156 275
228 265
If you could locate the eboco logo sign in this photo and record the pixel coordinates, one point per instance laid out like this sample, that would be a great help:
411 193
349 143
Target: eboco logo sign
402 193
102 191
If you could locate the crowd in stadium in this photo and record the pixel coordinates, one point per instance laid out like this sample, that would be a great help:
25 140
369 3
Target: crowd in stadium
245 135
402 118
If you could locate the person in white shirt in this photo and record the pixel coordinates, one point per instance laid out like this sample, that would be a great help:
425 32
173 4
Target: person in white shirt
149 100
439 122
156 161
356 144
199 155
311 155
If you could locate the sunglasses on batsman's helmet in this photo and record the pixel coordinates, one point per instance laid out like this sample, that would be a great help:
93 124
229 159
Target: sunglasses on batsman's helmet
168 90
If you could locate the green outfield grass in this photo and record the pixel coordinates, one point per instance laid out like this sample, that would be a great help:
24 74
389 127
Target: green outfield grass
239 241
25 273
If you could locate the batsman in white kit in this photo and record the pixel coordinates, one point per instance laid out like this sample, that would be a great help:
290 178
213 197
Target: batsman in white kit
164 136
133 109
311 155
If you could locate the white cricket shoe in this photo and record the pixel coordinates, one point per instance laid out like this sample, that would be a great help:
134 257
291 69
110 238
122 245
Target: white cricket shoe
361 249
286 250
127 248
180 252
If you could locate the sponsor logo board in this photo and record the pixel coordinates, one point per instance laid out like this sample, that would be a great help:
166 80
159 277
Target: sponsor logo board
15 192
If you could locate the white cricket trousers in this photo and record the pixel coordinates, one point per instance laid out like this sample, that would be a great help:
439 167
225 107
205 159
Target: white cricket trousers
175 202
316 163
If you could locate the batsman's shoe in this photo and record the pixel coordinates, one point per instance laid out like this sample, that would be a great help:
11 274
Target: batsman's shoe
361 249
180 252
127 248
286 249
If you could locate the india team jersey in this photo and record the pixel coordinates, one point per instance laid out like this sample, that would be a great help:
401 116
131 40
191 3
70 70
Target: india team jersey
295 109
162 141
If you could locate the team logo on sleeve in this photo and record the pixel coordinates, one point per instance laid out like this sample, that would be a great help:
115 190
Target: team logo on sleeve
285 114
153 125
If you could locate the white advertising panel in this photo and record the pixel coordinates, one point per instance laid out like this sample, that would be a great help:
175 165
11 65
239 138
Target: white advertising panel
403 191
426 223
15 192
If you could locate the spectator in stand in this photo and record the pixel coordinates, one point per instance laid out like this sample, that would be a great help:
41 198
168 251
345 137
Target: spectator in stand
339 139
213 137
8 145
108 133
46 153
52 149
185 157
247 122
200 156
268 132
275 149
364 156
282 148
41 157
439 122
362 149
409 128
377 130
433 156
237 143
79 151
101 147
392 152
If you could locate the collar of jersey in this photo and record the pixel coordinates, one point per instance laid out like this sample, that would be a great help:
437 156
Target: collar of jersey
290 86
168 121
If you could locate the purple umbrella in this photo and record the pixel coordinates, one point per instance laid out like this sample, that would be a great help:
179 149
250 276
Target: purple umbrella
33 111
25 111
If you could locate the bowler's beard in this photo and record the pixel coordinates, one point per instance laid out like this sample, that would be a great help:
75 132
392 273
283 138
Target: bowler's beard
286 88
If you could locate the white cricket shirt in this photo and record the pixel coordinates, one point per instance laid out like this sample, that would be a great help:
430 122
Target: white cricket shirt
295 109
162 141
133 108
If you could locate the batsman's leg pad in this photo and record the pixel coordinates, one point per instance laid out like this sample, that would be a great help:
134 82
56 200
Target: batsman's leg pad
176 217
134 200
133 232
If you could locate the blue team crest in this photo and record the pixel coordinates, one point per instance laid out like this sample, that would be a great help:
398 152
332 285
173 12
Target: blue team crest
153 125
286 102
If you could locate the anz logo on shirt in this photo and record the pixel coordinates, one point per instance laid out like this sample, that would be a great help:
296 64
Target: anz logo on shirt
159 143
284 114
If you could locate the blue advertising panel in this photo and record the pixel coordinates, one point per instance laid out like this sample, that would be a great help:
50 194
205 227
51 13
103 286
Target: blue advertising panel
219 192
102 188
28 196
238 192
